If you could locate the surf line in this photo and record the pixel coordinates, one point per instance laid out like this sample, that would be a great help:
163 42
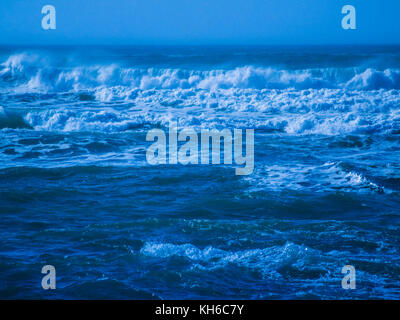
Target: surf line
189 152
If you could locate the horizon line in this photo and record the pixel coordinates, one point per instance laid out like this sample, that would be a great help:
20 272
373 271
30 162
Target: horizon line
195 45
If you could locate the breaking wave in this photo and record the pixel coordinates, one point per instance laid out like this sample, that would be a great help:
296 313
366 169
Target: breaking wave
29 73
328 101
330 176
267 260
12 121
326 112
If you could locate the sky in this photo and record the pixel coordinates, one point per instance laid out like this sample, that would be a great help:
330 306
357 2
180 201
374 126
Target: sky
247 22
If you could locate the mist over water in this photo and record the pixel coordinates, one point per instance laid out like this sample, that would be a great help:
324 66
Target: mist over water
76 191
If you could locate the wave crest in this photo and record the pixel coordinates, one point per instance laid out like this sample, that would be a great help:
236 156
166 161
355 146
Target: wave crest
268 261
29 73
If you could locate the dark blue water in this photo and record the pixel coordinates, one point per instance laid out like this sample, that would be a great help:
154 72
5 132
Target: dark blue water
77 193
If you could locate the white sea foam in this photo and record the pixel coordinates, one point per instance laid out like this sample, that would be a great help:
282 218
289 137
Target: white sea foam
329 101
328 176
324 111
266 260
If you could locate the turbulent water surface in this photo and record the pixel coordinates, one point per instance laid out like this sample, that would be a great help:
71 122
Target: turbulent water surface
76 191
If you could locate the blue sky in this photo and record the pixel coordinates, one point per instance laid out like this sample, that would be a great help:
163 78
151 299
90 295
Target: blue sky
199 22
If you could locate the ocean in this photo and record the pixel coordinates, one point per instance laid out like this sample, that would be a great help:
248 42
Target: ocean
77 193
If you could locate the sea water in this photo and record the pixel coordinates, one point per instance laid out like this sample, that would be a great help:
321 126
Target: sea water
76 191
